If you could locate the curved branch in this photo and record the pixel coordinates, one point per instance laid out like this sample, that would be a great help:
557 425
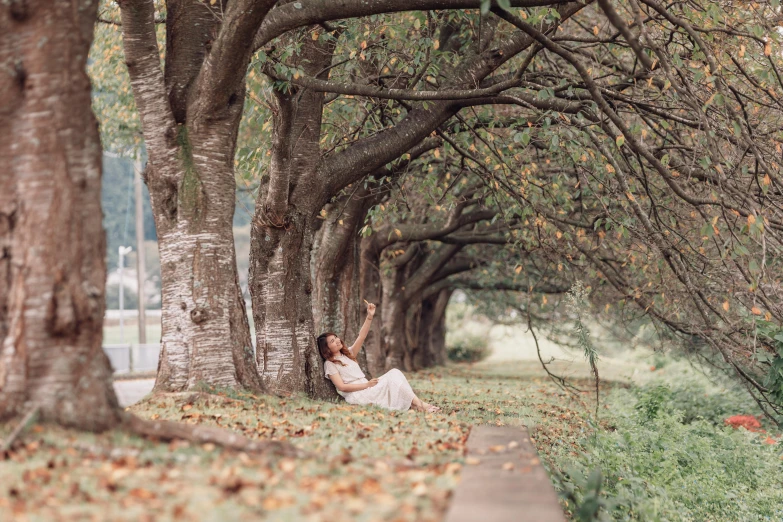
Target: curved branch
293 15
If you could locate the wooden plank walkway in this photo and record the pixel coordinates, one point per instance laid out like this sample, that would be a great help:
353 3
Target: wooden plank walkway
503 481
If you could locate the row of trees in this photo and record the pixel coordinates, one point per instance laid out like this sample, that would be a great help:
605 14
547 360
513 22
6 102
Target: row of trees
401 150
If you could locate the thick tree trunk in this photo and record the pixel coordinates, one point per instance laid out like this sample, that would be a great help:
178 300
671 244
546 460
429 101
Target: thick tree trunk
370 288
205 332
52 267
191 140
393 315
337 305
431 343
282 235
283 309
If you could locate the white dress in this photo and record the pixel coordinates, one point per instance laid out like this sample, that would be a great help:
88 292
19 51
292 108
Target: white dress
392 391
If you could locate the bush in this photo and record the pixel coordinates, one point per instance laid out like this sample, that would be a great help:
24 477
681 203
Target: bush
468 348
660 463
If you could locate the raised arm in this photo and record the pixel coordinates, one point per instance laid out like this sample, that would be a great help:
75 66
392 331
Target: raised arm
357 345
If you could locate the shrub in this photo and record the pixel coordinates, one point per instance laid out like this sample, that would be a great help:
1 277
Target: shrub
656 466
468 348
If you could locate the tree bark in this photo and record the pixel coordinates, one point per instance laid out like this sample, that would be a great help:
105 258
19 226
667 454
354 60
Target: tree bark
430 349
52 263
282 235
337 305
370 288
190 118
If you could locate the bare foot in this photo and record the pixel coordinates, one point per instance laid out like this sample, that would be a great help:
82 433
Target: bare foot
429 408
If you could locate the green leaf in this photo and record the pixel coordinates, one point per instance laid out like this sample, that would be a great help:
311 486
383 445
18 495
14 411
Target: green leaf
485 5
504 4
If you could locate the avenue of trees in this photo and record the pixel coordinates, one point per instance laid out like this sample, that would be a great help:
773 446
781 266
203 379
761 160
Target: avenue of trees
397 151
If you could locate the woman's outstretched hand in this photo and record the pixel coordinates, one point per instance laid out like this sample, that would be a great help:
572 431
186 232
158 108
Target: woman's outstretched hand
371 383
370 309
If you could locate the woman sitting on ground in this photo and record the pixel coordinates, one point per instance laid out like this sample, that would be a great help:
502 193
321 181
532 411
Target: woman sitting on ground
391 390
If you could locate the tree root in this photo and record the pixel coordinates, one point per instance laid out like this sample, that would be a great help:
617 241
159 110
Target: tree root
193 396
27 420
170 430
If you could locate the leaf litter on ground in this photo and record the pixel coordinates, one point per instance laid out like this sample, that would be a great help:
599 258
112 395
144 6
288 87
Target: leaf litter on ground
371 463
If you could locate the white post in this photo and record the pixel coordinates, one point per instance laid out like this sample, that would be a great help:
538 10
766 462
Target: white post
122 251
140 267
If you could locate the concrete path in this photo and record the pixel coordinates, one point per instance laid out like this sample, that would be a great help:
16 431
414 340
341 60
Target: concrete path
132 391
503 480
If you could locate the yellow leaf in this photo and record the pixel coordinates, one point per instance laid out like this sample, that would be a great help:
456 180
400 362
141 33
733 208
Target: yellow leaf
766 180
742 51
436 152
595 30
315 35
436 45
726 305
398 232
751 219
755 311
767 49
543 299
518 269
363 45
620 140
558 234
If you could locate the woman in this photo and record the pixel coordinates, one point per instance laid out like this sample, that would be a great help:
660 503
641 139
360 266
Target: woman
391 390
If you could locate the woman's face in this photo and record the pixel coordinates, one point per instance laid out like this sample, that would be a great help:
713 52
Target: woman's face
334 344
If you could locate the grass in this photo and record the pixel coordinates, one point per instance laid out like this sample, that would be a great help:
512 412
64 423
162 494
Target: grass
130 333
376 464
368 464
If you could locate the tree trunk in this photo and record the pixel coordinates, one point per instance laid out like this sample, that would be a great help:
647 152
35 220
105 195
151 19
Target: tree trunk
282 307
205 333
393 316
337 305
190 129
431 345
282 235
52 268
370 288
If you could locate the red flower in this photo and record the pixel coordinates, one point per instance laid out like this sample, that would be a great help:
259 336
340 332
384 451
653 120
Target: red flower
749 422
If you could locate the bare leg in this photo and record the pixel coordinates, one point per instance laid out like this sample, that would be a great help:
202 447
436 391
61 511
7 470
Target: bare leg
419 405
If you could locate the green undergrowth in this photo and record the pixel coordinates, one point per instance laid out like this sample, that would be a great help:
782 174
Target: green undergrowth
665 453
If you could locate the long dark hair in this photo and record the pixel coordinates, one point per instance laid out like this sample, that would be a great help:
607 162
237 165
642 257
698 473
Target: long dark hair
323 348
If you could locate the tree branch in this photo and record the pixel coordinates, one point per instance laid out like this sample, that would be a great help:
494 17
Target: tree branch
293 15
149 90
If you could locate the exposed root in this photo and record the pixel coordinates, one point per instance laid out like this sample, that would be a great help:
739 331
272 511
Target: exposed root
170 430
27 420
191 397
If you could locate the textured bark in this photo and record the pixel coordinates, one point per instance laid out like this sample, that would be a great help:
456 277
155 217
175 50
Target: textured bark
281 240
430 348
52 268
370 289
337 305
190 140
